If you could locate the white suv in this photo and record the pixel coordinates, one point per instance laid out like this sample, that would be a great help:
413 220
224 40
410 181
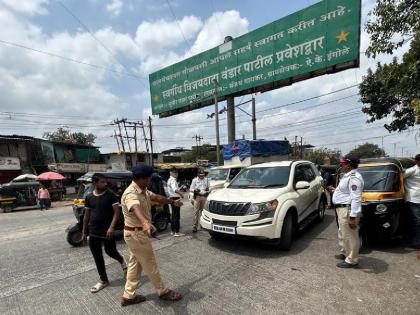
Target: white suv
267 201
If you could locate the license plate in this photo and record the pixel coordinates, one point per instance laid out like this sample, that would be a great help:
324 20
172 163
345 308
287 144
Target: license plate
224 229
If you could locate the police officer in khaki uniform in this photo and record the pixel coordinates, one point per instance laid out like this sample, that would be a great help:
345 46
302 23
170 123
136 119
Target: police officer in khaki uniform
347 199
136 204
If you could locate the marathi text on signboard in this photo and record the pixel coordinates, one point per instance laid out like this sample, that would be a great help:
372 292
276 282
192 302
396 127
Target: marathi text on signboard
323 36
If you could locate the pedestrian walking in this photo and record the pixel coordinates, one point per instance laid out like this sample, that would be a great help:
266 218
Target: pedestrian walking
44 198
136 204
412 197
328 178
347 199
101 215
200 188
175 193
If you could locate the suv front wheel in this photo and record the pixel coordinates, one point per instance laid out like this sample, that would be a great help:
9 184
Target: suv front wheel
286 236
321 210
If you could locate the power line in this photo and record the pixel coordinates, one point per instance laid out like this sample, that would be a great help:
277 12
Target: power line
179 25
96 39
203 122
364 139
308 99
68 58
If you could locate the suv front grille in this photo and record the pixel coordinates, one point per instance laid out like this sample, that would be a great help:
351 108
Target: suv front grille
228 208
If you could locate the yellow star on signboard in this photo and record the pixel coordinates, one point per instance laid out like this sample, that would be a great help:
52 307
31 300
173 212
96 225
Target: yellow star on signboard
342 37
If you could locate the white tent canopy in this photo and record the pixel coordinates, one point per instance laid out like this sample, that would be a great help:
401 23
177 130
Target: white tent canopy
25 177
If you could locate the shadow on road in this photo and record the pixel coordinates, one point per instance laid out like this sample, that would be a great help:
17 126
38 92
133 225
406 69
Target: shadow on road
181 307
255 248
373 265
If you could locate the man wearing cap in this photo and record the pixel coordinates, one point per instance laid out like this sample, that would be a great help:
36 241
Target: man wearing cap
136 204
347 199
200 188
412 197
175 194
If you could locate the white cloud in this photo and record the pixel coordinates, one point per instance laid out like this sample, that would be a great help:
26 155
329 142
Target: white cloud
159 41
114 7
29 7
217 26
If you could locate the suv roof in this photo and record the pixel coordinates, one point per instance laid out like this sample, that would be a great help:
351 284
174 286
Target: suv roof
226 167
278 163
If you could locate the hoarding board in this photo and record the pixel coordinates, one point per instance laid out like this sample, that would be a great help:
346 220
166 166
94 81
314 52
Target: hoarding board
323 38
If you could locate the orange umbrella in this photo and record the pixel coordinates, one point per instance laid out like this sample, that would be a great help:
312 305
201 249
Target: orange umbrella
50 176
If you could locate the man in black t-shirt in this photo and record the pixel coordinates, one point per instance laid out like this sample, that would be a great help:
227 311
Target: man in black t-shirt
101 216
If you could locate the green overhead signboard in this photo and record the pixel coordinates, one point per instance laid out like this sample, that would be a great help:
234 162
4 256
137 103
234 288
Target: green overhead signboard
323 38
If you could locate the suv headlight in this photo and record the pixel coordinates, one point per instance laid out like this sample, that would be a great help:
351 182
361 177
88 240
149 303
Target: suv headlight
257 208
381 208
206 205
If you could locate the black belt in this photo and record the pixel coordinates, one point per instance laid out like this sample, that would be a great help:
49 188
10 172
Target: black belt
340 205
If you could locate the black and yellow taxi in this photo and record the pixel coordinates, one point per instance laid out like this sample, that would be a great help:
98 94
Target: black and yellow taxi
383 205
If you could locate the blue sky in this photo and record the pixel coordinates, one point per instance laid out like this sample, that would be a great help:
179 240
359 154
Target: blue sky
44 92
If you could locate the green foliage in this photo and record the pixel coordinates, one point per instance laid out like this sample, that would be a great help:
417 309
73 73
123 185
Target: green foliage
317 156
392 23
368 150
393 89
64 135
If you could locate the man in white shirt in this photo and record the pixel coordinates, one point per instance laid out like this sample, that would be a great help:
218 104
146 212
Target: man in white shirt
347 199
412 197
175 193
200 188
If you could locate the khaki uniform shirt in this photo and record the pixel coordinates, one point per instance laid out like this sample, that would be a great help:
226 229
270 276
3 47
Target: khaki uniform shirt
134 195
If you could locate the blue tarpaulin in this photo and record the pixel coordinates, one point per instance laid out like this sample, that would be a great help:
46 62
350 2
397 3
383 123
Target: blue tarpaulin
247 148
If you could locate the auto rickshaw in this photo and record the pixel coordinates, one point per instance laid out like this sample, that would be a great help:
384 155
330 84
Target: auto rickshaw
383 207
18 194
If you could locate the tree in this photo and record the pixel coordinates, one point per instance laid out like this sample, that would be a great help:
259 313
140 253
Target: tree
64 135
394 88
318 156
368 150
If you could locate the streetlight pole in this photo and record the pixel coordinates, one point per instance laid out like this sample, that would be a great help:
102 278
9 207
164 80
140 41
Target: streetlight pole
216 111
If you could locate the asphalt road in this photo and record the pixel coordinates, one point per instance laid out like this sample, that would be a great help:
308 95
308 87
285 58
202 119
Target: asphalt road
41 274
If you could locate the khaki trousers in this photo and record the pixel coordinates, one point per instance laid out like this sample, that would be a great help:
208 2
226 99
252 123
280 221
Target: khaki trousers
141 257
198 208
348 238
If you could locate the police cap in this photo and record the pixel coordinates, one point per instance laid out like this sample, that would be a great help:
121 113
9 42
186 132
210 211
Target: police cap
350 159
142 171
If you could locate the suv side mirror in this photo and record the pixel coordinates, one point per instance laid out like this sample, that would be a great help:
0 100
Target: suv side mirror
302 185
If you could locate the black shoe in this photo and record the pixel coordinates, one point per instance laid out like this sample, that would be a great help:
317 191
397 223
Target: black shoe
344 264
340 256
136 300
194 230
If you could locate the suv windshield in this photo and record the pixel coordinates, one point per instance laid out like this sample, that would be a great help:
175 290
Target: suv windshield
218 174
380 178
262 177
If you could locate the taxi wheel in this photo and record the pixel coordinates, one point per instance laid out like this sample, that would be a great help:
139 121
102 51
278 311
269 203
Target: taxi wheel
8 209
